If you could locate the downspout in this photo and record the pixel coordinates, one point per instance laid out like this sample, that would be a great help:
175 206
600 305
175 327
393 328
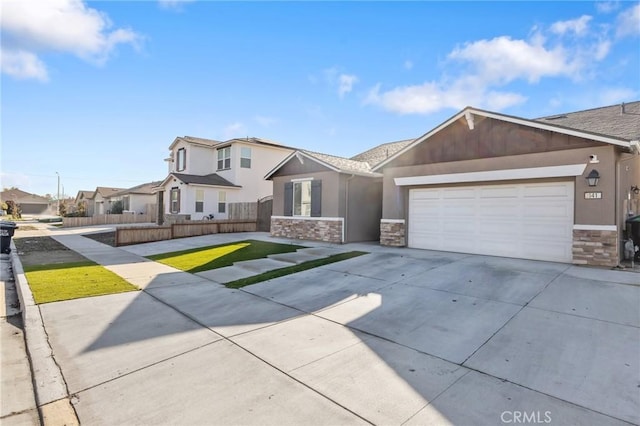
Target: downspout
346 208
621 219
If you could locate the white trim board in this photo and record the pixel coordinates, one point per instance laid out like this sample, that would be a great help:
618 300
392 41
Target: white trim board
392 220
494 175
595 228
309 218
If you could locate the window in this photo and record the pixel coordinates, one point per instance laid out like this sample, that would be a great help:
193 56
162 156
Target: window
174 207
222 202
199 200
245 158
182 159
302 198
224 158
126 203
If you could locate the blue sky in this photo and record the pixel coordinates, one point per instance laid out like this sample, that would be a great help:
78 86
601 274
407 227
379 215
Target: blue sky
97 91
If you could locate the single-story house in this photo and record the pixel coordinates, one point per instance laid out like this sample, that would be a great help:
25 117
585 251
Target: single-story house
102 199
140 199
328 198
557 188
85 198
29 203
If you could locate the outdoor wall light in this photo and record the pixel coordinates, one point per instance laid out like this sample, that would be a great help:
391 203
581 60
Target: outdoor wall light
635 189
593 178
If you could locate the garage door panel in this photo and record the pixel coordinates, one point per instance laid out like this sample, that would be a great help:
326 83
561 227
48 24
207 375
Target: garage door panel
560 190
499 192
531 221
458 193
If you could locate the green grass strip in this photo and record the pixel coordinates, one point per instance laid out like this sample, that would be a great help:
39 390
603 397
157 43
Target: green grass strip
66 281
221 255
276 273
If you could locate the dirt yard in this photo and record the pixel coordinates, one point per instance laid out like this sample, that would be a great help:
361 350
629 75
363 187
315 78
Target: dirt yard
44 251
108 238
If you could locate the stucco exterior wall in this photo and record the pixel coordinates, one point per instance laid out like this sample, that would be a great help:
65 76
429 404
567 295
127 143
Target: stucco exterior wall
138 203
331 183
364 209
590 212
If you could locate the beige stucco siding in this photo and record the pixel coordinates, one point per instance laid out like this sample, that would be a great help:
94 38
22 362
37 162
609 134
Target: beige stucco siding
590 212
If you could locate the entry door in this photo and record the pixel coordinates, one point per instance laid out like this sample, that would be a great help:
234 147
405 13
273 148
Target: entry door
528 220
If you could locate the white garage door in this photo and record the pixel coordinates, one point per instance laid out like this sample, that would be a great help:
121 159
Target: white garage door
529 221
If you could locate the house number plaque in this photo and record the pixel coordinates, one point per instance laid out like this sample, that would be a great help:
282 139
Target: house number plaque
593 195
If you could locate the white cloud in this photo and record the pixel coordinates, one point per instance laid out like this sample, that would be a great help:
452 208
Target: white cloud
264 121
345 83
176 5
408 64
479 73
334 78
235 130
23 65
577 26
628 23
503 60
607 6
67 26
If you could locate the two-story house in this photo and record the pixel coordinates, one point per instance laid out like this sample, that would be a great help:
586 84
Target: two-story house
205 175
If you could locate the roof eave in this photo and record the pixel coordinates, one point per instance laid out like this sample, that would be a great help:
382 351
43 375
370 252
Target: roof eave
521 121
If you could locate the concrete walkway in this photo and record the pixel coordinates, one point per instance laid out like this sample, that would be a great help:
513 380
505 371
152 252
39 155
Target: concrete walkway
398 336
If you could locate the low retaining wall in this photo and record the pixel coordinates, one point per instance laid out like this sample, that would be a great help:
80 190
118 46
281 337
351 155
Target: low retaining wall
138 235
392 232
597 247
328 229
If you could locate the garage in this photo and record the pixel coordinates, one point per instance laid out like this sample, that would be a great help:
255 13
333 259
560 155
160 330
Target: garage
530 220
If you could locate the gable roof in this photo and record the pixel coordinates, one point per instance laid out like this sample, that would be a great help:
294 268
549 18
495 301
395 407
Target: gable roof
106 192
377 154
22 197
84 195
332 162
142 189
469 112
621 120
212 179
211 143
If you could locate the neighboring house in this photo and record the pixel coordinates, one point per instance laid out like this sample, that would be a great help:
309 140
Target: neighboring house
85 198
328 198
206 175
102 199
138 199
29 203
493 184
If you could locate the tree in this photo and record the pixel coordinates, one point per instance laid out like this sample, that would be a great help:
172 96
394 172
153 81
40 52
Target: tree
81 209
117 207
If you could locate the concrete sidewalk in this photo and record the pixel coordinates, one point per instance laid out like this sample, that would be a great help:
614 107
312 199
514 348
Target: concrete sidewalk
16 390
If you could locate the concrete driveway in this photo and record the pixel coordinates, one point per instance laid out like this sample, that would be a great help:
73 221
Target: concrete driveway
398 336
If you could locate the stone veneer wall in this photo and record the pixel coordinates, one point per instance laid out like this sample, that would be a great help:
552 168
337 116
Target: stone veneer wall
598 248
392 233
320 229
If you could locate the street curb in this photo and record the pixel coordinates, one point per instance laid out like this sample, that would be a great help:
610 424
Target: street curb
48 381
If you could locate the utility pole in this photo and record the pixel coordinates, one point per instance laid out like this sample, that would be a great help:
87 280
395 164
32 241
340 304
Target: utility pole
58 211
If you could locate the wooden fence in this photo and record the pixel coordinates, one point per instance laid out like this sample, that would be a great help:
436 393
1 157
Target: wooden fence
138 235
108 219
243 211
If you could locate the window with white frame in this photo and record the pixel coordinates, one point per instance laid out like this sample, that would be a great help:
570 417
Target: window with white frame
222 202
245 158
181 160
302 198
199 200
224 158
174 206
